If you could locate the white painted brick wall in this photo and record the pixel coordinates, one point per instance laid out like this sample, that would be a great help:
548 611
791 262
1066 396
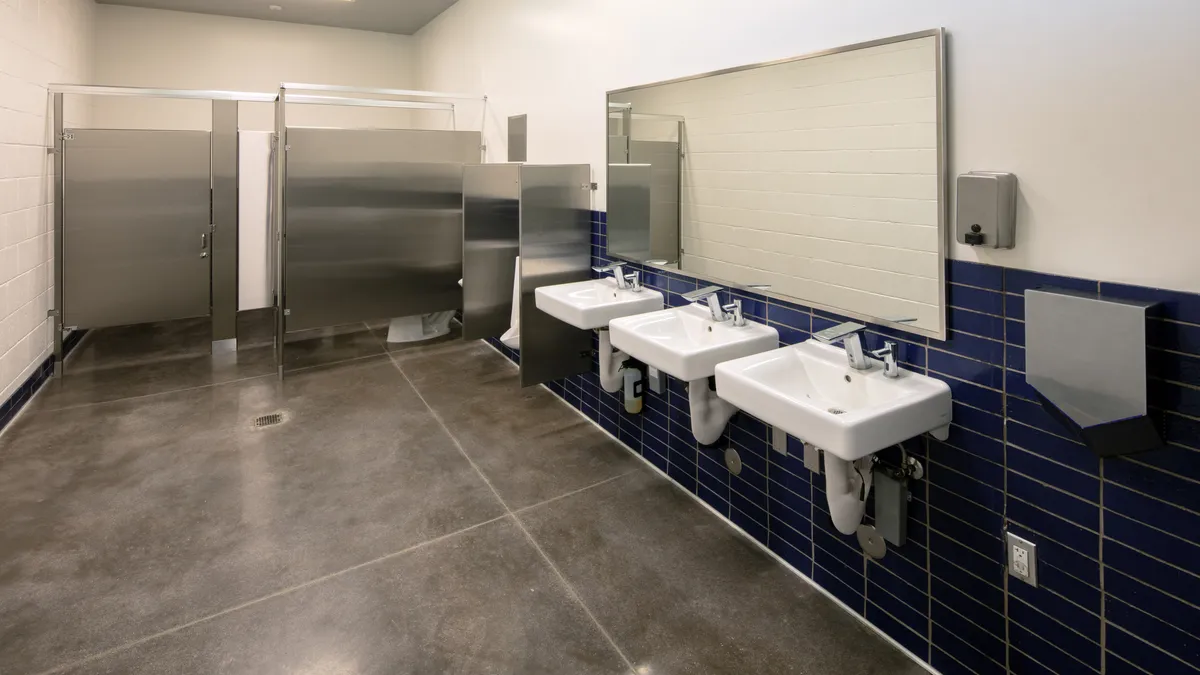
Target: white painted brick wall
41 41
818 177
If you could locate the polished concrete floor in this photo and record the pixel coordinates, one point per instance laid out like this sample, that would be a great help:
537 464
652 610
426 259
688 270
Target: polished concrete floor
415 512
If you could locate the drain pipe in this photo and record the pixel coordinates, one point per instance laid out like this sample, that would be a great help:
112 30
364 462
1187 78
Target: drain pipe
709 413
611 362
844 485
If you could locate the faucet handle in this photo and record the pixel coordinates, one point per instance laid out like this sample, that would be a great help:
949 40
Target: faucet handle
888 349
734 310
635 281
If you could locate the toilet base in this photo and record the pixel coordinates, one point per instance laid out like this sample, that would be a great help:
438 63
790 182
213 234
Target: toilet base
420 327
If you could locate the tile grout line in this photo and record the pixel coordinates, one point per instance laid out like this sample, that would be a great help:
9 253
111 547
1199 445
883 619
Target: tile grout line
250 603
572 493
516 519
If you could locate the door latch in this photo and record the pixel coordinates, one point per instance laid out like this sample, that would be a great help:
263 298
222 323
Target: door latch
204 245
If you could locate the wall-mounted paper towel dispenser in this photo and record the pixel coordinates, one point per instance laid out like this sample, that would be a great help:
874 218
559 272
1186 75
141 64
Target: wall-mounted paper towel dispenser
1086 357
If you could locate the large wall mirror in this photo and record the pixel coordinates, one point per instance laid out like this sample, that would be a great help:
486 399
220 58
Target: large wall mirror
822 176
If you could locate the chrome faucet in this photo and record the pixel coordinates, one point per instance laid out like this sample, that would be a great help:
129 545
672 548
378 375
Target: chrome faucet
888 355
720 313
849 335
625 282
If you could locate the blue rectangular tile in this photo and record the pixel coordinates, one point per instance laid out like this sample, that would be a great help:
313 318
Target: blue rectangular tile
972 347
851 596
987 594
967 464
1063 531
975 299
796 556
683 474
679 284
975 274
990 619
1181 615
915 599
1138 565
1014 357
1063 505
1153 542
1182 431
1163 634
1048 653
1056 607
1174 397
754 306
1151 659
1015 385
1032 414
975 323
1035 466
713 497
970 512
980 542
1016 281
898 630
1179 337
1146 509
978 421
966 440
1014 332
948 623
1014 306
1061 450
959 658
1172 366
1153 480
752 525
787 316
969 370
1174 305
910 354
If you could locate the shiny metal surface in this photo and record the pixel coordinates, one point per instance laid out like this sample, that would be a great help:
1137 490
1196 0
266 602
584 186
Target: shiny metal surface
149 92
373 223
664 160
224 240
555 249
136 204
491 240
849 334
629 212
518 138
414 93
57 319
367 102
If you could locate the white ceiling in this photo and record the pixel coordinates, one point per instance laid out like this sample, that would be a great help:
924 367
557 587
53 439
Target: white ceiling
404 17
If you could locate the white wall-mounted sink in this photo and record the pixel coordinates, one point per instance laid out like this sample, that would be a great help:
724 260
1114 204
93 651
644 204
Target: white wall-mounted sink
810 391
685 341
594 303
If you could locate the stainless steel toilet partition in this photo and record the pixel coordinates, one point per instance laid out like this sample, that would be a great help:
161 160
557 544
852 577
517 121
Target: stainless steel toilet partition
491 242
367 222
146 221
373 223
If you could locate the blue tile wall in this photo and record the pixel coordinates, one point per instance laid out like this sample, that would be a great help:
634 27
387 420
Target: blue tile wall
31 385
1118 539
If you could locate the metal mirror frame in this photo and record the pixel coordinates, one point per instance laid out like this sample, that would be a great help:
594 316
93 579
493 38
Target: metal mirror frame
939 35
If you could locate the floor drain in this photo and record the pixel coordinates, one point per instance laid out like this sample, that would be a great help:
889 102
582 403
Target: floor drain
837 411
268 420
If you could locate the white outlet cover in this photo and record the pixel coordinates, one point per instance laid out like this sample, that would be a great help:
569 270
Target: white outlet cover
1022 558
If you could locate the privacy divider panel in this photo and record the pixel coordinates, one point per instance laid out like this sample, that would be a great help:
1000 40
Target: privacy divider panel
373 223
135 225
555 249
1118 538
491 241
225 236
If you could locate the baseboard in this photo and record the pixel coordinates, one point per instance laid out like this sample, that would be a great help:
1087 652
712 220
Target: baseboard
32 384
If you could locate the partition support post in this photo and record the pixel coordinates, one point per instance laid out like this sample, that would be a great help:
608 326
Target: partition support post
279 229
224 226
59 190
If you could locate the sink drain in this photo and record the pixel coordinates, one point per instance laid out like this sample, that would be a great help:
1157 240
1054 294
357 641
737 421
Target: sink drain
836 411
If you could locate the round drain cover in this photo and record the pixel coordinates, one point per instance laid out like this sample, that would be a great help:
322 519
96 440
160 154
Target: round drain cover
871 541
733 461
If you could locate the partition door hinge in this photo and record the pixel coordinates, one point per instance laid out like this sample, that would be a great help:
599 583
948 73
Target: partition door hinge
287 312
51 313
590 186
67 136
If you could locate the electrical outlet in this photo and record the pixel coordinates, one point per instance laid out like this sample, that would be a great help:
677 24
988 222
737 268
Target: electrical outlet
1022 559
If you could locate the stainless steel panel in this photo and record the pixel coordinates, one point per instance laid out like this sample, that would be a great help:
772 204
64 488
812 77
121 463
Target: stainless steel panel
373 223
664 160
518 138
618 149
629 211
555 249
225 220
135 227
491 240
59 190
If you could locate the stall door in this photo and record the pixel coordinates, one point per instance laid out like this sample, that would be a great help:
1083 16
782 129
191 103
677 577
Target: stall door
136 223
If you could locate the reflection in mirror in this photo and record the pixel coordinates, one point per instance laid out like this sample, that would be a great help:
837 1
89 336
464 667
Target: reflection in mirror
821 176
644 215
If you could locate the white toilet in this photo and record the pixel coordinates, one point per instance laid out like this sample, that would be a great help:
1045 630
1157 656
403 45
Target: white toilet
420 327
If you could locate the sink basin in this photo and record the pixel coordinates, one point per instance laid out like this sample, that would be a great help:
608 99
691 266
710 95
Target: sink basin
811 392
685 342
592 304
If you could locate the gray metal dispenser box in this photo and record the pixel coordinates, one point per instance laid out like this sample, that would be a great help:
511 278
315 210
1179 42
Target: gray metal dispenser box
987 209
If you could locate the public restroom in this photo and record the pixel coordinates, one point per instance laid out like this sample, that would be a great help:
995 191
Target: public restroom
582 336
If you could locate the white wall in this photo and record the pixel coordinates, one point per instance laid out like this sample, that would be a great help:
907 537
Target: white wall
41 42
1092 103
155 48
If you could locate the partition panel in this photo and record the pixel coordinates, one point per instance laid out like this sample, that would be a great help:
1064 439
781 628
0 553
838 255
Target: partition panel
373 223
491 240
136 226
555 249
